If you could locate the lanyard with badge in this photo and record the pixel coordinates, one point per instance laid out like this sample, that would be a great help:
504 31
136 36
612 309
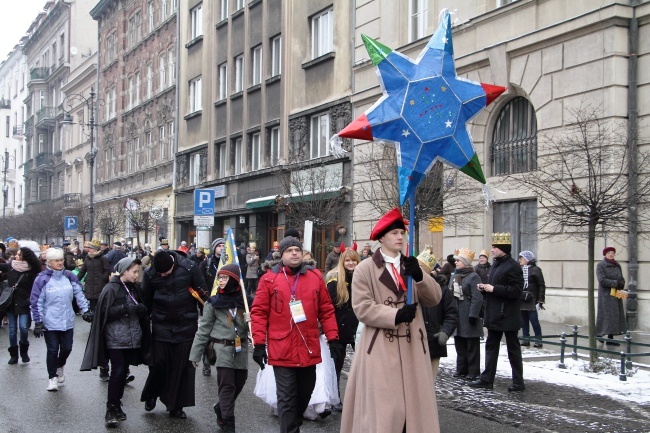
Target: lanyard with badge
233 313
128 292
295 305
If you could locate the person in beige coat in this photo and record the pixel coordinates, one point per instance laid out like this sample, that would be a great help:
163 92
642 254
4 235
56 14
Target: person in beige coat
390 388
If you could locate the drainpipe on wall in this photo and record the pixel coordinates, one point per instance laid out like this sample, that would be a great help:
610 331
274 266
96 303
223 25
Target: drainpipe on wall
632 108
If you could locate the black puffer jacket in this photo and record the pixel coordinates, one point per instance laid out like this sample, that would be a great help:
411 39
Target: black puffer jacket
20 301
174 311
209 270
122 330
536 286
442 317
98 271
345 317
483 271
502 311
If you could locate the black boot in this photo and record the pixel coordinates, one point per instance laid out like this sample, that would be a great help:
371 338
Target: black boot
13 355
111 415
228 425
121 416
24 347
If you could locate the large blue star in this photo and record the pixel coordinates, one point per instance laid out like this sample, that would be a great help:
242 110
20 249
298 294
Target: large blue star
424 110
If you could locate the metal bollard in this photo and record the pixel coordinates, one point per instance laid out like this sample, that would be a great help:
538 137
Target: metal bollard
562 348
628 341
574 354
622 376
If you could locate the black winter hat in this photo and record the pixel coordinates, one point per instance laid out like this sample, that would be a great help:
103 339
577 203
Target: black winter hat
163 261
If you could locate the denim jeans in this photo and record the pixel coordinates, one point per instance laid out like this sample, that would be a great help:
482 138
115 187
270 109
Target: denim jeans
24 322
59 347
530 318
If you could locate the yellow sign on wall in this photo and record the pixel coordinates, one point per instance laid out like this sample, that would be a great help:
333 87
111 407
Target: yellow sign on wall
436 224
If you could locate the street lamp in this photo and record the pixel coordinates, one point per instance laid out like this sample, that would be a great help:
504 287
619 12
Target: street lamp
90 156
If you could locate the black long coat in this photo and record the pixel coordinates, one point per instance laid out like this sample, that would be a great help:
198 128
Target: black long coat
442 317
483 271
20 298
536 286
502 309
345 317
173 310
95 354
98 273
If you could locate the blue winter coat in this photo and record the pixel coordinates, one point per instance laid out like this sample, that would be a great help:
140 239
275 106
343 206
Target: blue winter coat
51 299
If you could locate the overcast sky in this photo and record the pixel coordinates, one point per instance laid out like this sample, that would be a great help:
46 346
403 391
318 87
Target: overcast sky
15 18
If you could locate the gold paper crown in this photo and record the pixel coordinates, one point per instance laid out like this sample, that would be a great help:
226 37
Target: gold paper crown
44 247
427 259
456 251
467 253
96 242
501 239
253 245
484 253
164 242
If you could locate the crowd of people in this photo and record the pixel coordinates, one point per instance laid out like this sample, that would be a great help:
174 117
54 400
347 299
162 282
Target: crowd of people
177 310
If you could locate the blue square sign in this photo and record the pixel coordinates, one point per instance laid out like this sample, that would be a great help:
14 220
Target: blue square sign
203 202
70 223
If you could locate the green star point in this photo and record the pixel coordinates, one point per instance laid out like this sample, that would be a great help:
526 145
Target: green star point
377 51
473 169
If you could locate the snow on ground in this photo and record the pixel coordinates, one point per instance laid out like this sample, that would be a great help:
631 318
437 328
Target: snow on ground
635 389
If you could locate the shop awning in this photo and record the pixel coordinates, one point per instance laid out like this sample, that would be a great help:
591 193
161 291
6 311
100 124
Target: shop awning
270 200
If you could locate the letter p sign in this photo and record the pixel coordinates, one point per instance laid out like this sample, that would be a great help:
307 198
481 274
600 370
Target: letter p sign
203 202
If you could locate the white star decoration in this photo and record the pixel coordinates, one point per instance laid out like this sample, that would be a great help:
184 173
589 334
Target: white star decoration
448 123
444 40
406 133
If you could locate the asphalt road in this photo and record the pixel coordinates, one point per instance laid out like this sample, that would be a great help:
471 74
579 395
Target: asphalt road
79 406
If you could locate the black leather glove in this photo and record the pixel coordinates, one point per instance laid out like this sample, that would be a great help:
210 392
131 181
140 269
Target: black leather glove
442 337
88 316
259 355
412 268
621 285
337 350
38 329
140 310
473 320
406 314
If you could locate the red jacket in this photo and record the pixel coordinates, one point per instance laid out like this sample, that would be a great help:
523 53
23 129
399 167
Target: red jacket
272 322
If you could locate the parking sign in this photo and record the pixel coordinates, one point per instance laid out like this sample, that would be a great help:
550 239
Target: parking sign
70 223
203 207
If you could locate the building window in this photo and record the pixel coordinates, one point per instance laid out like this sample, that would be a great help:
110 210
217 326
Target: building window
113 102
163 10
223 81
170 139
239 73
275 146
147 143
224 10
514 140
256 152
240 4
321 33
222 160
131 95
257 65
138 26
519 218
197 22
276 56
149 81
174 5
195 94
137 88
131 32
239 154
151 13
162 143
129 156
136 152
320 136
195 169
172 68
417 19
162 72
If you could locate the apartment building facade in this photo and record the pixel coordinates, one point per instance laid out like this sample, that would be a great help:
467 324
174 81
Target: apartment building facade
553 56
137 128
13 91
263 86
56 44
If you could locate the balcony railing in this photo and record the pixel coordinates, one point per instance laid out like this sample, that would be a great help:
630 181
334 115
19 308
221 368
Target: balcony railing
42 159
5 103
18 131
71 201
45 113
29 126
27 166
39 73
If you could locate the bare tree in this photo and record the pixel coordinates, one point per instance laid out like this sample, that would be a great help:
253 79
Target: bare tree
444 192
110 220
139 216
583 185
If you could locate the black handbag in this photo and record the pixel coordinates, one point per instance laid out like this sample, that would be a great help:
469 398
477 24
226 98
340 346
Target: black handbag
211 353
7 295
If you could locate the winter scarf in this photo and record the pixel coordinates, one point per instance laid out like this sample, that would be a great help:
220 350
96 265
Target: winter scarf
612 261
19 266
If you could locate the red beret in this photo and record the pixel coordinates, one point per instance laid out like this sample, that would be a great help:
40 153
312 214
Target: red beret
608 249
390 221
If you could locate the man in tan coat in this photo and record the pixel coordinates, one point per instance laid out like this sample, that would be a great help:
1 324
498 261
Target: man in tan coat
390 388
